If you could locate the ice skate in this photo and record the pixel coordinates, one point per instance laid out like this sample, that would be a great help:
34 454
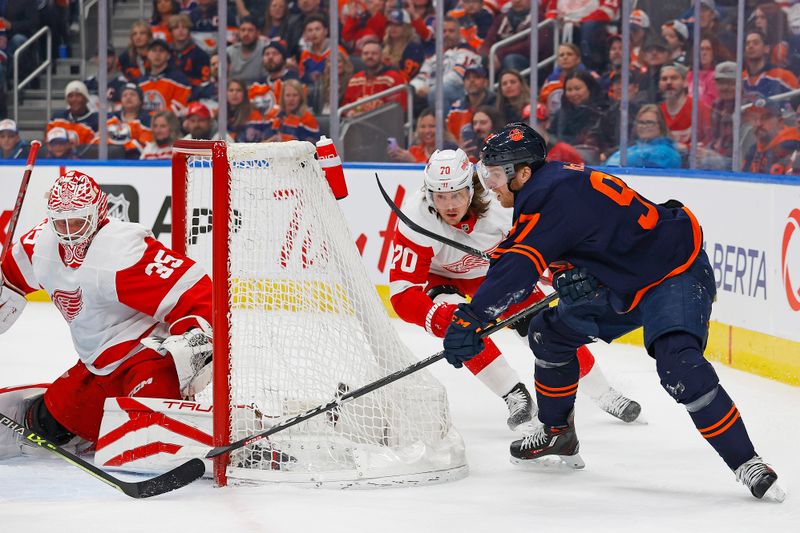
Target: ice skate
264 456
547 443
521 407
618 405
761 479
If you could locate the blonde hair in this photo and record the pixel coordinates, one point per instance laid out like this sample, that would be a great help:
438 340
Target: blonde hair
132 52
300 88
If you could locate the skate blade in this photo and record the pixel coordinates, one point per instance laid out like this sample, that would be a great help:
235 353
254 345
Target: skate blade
775 493
552 462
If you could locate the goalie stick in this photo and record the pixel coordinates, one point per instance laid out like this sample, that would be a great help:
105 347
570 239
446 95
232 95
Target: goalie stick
419 229
386 380
174 479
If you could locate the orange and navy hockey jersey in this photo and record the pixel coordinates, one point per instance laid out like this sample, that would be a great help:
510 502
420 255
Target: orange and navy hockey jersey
194 63
84 128
556 214
265 93
292 127
776 156
169 90
770 81
312 66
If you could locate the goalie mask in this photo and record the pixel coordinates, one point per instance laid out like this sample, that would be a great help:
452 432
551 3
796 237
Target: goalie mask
76 208
448 171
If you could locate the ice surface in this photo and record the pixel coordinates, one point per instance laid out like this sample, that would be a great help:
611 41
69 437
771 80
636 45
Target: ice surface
656 477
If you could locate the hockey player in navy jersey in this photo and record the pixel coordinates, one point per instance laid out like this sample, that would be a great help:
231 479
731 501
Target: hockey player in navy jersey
625 262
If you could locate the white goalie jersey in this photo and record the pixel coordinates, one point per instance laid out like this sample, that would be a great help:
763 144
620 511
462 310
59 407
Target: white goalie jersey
129 286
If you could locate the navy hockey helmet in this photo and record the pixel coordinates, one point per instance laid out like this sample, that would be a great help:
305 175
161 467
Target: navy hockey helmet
517 143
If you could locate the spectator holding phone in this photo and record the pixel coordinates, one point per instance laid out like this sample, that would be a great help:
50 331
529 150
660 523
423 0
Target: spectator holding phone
485 120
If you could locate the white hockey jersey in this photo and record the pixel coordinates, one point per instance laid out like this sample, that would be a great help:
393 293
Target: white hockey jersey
128 287
418 260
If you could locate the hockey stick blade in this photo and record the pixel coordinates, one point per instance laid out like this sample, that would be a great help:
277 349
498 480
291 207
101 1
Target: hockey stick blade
176 478
386 380
423 231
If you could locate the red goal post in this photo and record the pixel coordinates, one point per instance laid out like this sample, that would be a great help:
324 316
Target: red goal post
296 321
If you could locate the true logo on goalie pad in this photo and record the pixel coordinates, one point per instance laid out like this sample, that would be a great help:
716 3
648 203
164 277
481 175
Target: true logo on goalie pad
70 303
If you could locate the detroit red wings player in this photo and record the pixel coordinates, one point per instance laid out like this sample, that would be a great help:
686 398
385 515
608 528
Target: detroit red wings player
428 279
115 285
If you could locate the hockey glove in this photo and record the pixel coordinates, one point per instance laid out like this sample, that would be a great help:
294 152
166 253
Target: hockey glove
192 354
438 318
462 341
576 285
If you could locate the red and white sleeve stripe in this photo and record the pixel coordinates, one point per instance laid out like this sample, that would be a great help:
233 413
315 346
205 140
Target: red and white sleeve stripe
18 263
167 286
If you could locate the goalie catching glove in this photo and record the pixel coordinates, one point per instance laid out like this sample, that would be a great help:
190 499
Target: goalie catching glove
192 354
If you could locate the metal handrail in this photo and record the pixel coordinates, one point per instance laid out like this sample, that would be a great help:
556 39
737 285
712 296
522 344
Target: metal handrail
83 9
518 37
775 97
19 85
409 125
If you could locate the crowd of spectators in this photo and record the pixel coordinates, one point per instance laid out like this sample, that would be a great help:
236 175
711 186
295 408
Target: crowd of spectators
163 86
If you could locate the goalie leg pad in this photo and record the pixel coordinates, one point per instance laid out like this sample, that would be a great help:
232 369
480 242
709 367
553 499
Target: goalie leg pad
14 402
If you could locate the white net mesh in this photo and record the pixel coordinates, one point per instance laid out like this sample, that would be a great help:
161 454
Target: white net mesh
307 324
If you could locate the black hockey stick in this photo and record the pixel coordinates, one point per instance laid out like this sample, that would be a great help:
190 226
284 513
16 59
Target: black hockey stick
174 479
357 393
419 229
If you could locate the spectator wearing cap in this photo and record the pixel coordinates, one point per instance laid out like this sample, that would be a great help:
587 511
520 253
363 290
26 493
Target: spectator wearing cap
245 56
760 76
159 24
116 80
677 108
130 126
568 60
204 24
652 147
374 78
458 57
772 21
58 146
11 146
292 119
401 44
198 124
189 58
133 60
318 47
162 86
245 123
165 131
776 145
653 56
78 117
586 24
475 21
363 20
264 93
476 93
676 35
707 86
725 75
640 27
276 21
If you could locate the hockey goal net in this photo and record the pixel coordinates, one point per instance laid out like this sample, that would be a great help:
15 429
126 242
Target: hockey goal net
296 322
